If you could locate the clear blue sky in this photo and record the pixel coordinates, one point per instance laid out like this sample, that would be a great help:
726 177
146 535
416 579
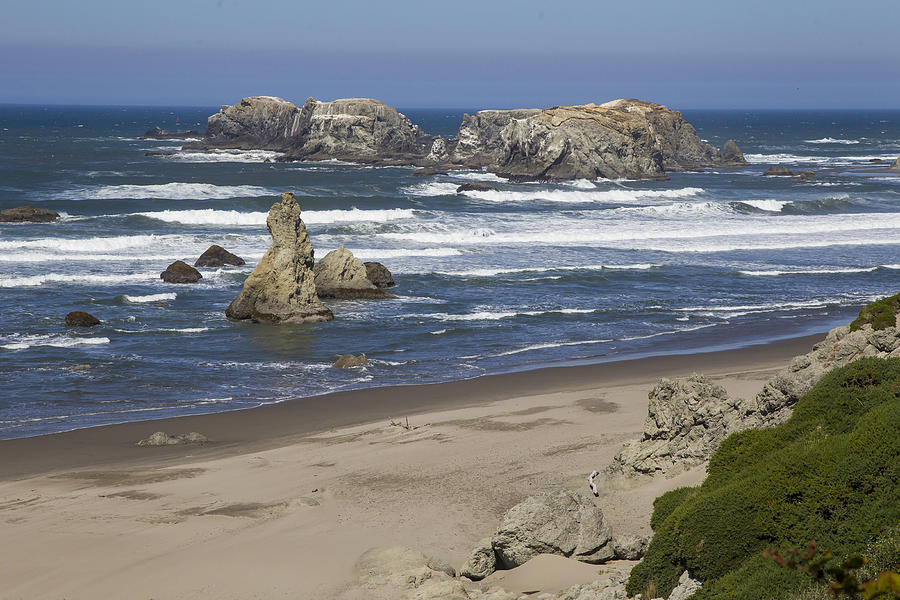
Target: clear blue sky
459 53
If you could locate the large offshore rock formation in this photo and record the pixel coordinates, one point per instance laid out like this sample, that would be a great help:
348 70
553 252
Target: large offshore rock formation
354 129
623 138
342 276
282 287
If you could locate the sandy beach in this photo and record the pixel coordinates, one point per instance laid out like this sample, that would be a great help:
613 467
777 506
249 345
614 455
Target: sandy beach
286 497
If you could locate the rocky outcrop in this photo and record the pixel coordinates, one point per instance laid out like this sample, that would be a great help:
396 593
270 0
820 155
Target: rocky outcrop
217 256
347 361
688 418
353 129
28 214
623 138
778 171
378 274
630 547
282 286
475 187
81 319
342 276
895 166
732 155
482 561
180 272
687 587
161 438
564 523
158 133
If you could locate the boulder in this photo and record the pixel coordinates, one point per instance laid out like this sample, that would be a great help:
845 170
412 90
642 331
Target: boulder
28 214
482 561
564 523
282 286
778 171
687 587
439 564
217 256
732 155
180 272
895 166
81 319
475 187
630 547
158 133
378 274
342 276
161 438
346 361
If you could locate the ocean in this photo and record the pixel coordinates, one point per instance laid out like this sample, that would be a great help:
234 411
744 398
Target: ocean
528 276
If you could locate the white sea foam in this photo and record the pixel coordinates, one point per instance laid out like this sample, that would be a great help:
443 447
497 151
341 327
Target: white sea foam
151 297
23 342
85 279
595 267
830 140
550 345
574 196
93 244
487 315
399 252
781 158
766 205
240 156
169 191
477 176
774 273
210 216
774 306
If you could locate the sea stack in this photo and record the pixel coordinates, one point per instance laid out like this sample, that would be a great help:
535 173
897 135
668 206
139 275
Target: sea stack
282 289
342 276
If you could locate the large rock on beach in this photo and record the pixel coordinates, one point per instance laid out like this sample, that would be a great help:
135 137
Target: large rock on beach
217 256
689 417
342 276
378 274
482 561
282 286
161 438
564 523
180 272
80 318
28 214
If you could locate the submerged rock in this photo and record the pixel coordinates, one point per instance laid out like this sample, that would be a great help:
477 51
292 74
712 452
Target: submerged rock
778 171
81 319
378 274
475 187
565 523
28 214
158 133
282 286
161 438
346 361
342 276
180 272
217 256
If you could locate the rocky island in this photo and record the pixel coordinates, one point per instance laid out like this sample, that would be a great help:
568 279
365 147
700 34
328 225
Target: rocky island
625 138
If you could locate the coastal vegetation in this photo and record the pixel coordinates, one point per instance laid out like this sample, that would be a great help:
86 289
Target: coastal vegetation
829 473
880 314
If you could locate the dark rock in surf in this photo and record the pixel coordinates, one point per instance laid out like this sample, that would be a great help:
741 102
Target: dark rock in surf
28 214
475 187
732 155
217 256
378 274
778 171
81 319
180 272
342 276
347 361
158 133
802 176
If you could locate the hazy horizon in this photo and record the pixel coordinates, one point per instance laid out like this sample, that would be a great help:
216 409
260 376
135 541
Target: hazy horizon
695 55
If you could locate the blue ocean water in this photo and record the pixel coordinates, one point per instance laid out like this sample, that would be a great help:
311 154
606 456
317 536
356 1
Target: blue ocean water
530 275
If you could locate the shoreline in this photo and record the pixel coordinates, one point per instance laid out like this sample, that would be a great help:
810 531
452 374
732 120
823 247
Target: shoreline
276 425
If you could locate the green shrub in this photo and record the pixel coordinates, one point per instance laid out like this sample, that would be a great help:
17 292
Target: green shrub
831 473
880 314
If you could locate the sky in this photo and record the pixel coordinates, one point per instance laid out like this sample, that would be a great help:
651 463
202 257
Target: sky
687 54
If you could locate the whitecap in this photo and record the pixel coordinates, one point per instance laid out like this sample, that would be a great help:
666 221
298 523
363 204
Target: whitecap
210 216
485 315
766 205
774 272
150 297
238 156
23 342
169 191
81 279
830 140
